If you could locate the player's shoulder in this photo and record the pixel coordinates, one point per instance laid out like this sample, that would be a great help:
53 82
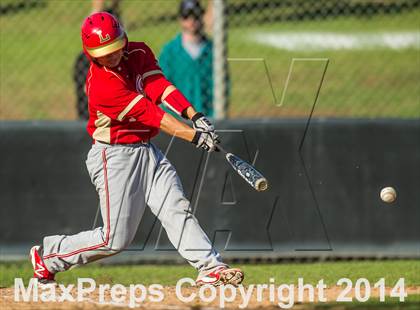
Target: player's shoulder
100 74
101 81
138 48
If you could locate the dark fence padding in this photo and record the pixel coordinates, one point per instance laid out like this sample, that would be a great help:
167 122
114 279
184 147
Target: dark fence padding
323 197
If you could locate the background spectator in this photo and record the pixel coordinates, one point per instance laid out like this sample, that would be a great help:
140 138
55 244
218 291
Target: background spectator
187 59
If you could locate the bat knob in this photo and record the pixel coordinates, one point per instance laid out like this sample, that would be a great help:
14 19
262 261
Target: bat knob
261 184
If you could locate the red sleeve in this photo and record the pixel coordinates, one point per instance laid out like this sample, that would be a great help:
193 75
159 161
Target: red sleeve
150 64
177 102
155 84
119 103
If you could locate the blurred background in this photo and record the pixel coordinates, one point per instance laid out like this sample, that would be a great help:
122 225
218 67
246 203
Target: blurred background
369 49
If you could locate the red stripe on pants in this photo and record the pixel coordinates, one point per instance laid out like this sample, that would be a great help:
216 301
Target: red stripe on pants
93 247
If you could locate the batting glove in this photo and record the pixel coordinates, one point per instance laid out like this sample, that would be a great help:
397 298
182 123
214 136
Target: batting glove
206 140
202 123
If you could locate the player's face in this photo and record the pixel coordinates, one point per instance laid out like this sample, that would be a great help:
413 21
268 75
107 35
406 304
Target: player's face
191 24
111 60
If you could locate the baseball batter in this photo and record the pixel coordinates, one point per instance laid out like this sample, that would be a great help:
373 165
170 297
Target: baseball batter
125 86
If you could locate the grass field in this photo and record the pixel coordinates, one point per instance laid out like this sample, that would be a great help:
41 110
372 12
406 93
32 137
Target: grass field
39 47
285 273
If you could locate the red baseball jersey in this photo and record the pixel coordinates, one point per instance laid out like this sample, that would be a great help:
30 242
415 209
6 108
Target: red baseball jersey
123 101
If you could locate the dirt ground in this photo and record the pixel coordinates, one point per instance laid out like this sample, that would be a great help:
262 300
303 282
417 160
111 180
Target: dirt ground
171 301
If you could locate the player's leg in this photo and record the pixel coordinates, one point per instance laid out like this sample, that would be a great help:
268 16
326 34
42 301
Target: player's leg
116 172
168 202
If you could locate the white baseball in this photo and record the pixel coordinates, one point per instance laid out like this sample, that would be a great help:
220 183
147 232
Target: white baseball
388 194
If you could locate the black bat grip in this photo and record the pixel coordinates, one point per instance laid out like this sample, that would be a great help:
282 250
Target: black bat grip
220 148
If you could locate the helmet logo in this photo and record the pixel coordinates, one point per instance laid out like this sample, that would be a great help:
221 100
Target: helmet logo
102 39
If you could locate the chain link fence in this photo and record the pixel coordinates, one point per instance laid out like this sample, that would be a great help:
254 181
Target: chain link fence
353 58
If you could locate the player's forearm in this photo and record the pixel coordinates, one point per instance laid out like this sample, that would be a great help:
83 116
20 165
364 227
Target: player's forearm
158 89
189 112
174 127
164 91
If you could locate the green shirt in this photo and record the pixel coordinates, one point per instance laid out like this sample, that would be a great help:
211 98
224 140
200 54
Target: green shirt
193 77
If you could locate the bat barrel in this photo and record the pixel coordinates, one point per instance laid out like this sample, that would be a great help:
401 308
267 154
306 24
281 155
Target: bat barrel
261 184
247 172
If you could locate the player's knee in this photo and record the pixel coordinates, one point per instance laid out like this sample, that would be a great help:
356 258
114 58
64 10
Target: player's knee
118 243
111 251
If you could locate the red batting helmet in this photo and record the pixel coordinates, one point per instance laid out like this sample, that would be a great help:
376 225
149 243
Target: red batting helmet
102 34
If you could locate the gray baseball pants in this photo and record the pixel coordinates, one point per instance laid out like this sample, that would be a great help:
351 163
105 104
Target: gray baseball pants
127 178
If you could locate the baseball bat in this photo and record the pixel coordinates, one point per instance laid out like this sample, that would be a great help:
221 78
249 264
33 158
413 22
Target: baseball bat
251 175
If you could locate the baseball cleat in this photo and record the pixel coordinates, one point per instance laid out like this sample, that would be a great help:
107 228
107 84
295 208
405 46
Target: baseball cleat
40 270
221 275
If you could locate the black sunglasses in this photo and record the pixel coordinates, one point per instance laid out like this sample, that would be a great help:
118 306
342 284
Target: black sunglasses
197 14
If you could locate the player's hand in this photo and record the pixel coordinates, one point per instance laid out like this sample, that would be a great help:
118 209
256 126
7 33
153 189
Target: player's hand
202 123
206 140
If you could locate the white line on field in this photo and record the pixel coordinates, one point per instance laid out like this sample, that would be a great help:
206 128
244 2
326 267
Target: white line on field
318 41
325 60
